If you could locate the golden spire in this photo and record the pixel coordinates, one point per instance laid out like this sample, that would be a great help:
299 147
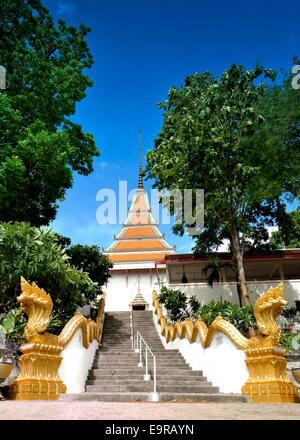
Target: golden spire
141 185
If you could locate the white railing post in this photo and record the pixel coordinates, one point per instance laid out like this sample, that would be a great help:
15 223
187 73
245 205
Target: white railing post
146 375
140 364
154 396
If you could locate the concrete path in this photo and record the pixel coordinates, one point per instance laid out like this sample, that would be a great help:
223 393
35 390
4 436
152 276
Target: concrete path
59 410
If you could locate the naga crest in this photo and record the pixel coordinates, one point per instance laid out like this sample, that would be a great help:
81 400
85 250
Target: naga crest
37 304
266 309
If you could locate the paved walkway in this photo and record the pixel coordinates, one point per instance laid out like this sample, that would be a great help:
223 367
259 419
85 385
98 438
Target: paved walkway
56 410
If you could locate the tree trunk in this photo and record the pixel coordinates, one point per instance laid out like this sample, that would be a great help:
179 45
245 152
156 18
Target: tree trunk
238 286
238 260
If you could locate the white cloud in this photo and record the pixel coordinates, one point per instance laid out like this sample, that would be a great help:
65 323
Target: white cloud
64 8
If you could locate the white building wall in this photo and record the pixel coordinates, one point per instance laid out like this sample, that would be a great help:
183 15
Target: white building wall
120 293
227 290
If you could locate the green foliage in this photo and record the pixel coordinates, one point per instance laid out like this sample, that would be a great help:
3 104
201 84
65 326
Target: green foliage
288 340
241 317
174 302
288 236
13 324
40 145
56 324
193 306
35 254
91 260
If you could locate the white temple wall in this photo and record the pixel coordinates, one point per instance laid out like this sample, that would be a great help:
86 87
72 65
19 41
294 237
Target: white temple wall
228 292
121 288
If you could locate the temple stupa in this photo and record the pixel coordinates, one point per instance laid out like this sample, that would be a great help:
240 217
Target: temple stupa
133 253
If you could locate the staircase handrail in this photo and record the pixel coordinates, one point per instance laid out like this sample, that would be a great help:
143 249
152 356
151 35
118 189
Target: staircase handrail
131 328
138 349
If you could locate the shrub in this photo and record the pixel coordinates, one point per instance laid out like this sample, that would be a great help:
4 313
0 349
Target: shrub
174 302
179 307
289 339
241 317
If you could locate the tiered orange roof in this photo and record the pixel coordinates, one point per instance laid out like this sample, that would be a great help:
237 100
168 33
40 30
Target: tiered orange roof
138 232
138 244
140 238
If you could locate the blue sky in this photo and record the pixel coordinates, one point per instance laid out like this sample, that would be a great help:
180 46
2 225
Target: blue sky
141 48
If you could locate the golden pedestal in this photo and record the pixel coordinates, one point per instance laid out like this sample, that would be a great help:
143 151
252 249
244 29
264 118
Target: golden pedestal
268 381
38 378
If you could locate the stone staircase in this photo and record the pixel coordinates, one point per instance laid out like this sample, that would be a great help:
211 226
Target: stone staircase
116 377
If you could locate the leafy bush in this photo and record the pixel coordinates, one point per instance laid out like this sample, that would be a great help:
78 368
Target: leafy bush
288 340
241 317
91 260
179 307
12 324
174 302
193 306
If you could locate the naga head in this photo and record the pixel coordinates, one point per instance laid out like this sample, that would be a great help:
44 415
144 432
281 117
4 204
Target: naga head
267 308
37 304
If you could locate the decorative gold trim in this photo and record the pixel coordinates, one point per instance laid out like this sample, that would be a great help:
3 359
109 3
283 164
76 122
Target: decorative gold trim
193 329
228 329
78 321
40 361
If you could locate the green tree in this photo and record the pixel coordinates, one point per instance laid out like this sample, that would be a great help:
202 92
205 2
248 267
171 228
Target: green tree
220 135
40 145
36 255
92 261
288 236
88 258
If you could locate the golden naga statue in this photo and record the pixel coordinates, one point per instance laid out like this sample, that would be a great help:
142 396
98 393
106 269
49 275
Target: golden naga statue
268 381
38 378
39 364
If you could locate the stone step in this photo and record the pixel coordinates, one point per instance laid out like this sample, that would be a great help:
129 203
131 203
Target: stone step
128 341
131 356
125 365
179 363
100 375
135 356
129 360
106 349
148 386
128 351
142 396
137 370
142 382
140 376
